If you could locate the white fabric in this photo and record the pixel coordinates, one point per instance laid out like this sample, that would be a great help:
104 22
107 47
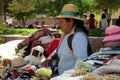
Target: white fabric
104 23
34 60
38 48
66 76
46 39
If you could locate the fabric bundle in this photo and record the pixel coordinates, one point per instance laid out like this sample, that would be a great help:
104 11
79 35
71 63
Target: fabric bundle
112 38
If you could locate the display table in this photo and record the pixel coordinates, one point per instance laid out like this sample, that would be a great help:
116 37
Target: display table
66 76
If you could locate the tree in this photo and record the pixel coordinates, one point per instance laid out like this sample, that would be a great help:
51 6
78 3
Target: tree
25 9
111 5
53 7
84 5
22 10
49 7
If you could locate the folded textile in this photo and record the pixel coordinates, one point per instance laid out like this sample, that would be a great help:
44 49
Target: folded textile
112 66
109 49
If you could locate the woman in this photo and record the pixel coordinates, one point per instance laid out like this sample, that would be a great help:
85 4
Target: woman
108 15
85 19
92 22
103 22
68 21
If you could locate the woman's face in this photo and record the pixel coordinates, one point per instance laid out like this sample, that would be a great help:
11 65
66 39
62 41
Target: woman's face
65 26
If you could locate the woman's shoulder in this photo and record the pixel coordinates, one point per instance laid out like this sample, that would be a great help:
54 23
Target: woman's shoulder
80 35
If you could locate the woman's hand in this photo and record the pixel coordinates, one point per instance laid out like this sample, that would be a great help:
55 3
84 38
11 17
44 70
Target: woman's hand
47 63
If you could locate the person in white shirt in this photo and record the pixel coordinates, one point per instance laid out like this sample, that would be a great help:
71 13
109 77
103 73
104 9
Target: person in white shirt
108 15
103 22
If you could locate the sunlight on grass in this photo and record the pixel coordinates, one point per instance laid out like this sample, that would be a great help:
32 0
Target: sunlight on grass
97 18
18 31
28 32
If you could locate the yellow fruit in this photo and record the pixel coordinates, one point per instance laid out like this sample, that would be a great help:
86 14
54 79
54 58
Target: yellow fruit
46 72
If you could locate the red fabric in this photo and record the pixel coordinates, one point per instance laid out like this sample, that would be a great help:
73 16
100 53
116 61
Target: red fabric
53 46
30 70
36 35
111 57
15 73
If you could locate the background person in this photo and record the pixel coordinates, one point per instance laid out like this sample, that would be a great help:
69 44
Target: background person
108 15
103 22
92 22
85 19
118 22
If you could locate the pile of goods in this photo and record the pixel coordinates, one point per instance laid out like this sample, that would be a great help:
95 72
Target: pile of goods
42 73
81 68
18 69
109 71
101 77
112 38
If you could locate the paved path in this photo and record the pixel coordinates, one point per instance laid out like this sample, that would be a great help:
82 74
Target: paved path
7 50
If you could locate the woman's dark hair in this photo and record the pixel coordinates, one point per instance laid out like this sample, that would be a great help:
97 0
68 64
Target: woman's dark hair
92 15
103 16
85 16
79 25
105 9
118 22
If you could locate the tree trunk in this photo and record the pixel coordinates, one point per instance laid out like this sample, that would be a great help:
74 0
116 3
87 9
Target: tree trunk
23 22
1 11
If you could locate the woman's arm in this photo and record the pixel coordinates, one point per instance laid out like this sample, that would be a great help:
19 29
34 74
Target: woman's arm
49 59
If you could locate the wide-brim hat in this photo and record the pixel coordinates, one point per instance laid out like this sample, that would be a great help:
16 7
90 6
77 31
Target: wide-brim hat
18 63
69 11
112 35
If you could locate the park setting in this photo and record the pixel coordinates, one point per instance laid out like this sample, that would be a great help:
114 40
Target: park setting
59 39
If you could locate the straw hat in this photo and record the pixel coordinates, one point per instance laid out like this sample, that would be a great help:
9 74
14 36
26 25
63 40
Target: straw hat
69 11
112 37
18 63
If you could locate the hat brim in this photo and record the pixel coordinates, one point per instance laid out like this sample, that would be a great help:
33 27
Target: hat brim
20 66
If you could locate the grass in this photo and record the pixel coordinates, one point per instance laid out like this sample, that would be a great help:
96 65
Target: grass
27 32
97 33
18 31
